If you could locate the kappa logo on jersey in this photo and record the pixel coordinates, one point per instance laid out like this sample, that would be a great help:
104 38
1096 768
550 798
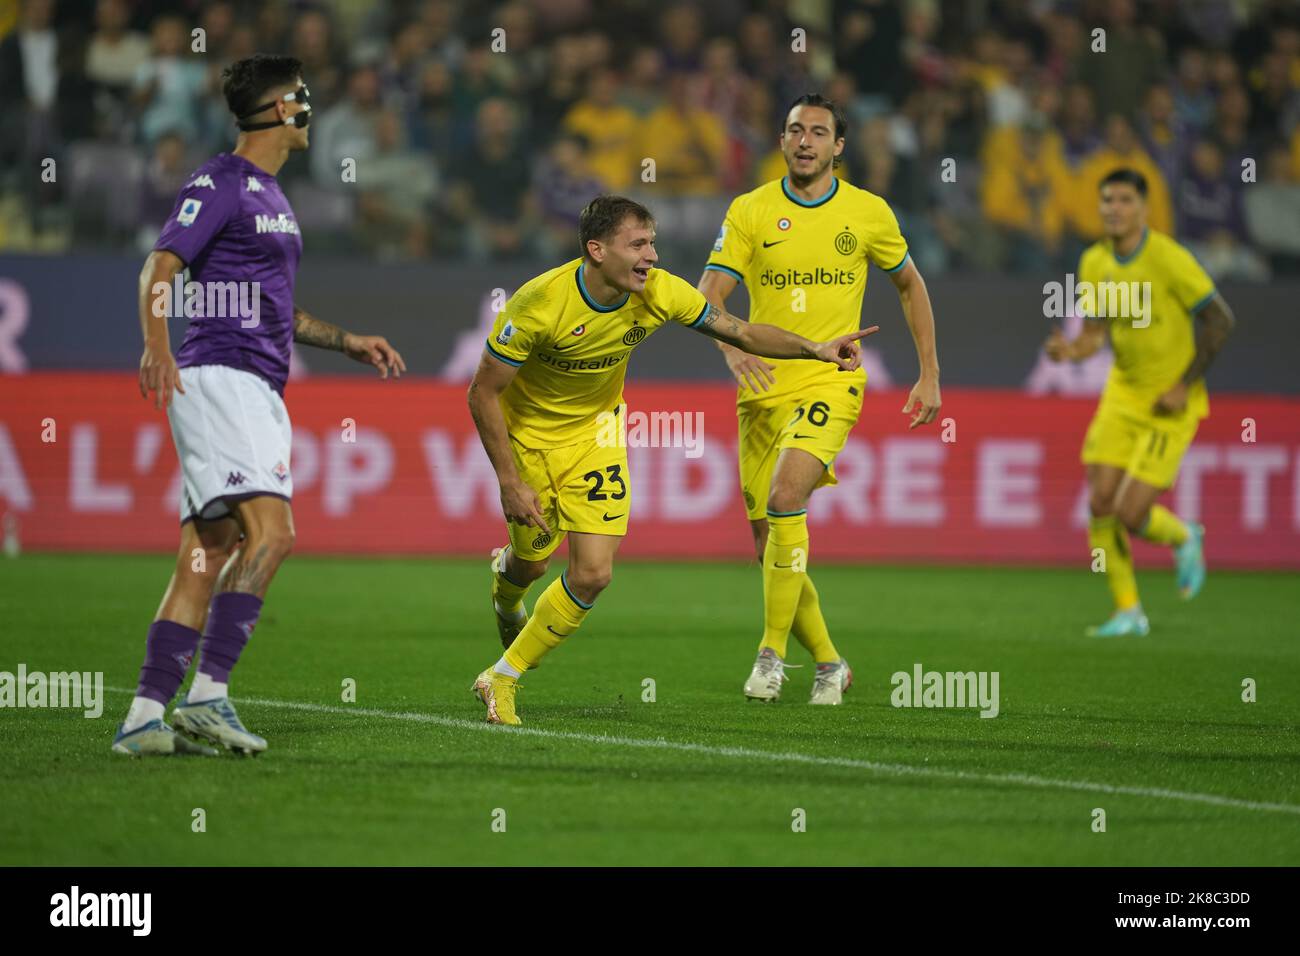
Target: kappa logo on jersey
235 479
280 223
189 209
722 238
280 471
253 185
204 180
503 338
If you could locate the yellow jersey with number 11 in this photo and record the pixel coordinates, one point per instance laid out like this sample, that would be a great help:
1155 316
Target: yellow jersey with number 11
1147 299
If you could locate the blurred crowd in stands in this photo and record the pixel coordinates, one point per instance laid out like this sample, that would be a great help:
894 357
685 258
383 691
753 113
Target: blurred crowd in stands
479 129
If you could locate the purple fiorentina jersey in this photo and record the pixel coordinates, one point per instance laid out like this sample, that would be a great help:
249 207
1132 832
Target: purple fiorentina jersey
232 224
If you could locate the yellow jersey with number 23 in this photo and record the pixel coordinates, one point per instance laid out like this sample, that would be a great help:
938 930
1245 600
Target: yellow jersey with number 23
572 352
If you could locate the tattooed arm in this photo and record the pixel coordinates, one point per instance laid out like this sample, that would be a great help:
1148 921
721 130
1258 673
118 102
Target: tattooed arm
1214 323
750 371
308 330
771 341
370 349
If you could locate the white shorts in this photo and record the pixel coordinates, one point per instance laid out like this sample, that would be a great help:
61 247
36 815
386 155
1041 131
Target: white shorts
232 436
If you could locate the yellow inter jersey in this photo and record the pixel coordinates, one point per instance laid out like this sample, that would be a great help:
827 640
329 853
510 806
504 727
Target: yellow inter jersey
777 243
572 352
1149 358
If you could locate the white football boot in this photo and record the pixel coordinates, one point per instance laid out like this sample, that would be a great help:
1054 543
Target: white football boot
216 720
831 683
766 678
156 739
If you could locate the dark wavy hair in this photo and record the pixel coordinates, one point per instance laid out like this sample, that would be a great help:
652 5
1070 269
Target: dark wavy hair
245 83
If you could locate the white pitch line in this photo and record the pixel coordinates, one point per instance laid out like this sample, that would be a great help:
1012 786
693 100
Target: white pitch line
748 753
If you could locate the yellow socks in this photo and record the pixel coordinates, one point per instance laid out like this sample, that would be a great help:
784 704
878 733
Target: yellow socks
785 565
809 627
556 615
1164 527
507 595
1108 534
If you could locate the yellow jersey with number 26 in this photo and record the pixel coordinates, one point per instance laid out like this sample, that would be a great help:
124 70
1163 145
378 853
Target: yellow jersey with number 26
805 265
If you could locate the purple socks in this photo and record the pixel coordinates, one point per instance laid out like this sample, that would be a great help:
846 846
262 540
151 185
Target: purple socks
167 656
231 619
170 647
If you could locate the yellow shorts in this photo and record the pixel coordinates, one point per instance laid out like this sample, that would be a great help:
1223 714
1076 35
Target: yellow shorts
583 487
1148 447
817 421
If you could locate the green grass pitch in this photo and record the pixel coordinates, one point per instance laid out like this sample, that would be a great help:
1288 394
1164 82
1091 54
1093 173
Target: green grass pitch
1153 731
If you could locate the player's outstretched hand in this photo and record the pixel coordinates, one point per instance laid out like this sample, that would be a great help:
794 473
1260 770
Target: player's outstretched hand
1057 346
844 351
520 504
159 374
374 350
750 371
925 398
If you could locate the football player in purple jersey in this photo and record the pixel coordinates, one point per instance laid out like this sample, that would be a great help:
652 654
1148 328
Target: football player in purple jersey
234 230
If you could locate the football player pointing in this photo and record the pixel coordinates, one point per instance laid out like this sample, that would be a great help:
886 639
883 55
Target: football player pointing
546 390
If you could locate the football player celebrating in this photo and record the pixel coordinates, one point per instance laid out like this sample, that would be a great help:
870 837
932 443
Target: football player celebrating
546 387
233 229
1155 395
802 244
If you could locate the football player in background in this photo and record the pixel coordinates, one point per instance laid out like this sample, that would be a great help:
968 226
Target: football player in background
1155 395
